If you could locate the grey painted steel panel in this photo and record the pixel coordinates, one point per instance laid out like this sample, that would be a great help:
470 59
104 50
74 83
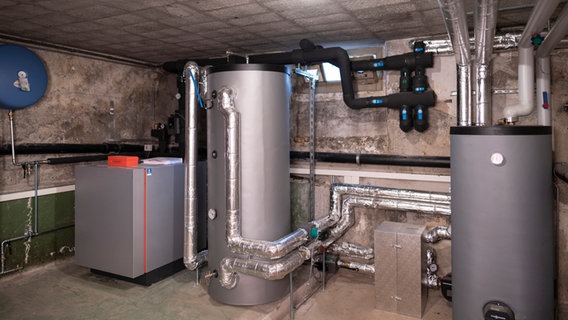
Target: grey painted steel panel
164 214
262 99
109 217
502 225
400 265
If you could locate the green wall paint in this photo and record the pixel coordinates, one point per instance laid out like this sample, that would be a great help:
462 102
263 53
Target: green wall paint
299 197
55 211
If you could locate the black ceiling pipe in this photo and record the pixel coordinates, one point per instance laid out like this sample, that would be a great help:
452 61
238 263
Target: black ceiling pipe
339 57
377 159
310 53
409 60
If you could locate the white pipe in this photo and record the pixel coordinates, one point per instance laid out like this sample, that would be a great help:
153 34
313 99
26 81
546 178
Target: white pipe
539 17
544 101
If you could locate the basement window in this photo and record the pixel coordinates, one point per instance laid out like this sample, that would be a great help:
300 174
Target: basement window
330 72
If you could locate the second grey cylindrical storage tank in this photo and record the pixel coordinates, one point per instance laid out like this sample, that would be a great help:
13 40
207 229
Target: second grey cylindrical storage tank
502 223
262 99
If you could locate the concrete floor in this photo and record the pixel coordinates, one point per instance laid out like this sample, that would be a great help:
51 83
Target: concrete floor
63 290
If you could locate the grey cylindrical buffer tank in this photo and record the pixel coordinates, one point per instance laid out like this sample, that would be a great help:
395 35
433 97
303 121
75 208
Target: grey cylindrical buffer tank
262 98
502 223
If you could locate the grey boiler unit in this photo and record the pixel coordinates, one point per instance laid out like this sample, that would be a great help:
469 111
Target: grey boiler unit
502 221
129 220
260 133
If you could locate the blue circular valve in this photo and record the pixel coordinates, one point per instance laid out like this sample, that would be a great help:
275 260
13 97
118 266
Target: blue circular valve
23 77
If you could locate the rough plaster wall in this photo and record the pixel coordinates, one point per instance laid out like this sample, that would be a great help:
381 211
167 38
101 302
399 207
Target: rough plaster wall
340 129
87 101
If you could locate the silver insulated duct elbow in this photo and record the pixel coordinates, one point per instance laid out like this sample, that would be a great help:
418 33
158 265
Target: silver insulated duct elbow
268 270
191 258
235 241
344 199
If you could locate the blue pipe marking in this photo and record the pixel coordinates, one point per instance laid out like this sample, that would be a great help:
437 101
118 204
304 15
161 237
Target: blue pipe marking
545 100
378 64
377 101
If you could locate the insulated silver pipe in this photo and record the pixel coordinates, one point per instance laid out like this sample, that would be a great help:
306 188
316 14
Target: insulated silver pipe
357 266
352 250
438 233
344 198
191 258
455 20
485 23
235 241
265 269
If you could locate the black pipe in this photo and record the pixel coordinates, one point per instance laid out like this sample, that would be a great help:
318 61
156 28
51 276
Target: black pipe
340 58
409 60
310 53
70 148
67 160
381 159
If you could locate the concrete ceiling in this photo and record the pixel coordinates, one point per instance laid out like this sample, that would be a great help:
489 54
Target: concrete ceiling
156 31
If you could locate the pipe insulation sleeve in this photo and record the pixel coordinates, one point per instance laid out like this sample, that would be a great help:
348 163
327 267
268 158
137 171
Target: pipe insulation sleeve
485 24
357 266
235 241
437 233
265 269
352 250
191 258
537 21
345 197
543 71
455 20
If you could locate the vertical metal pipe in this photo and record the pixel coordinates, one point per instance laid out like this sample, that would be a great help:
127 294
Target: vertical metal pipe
464 114
323 272
36 209
291 297
311 213
11 117
191 258
455 20
485 23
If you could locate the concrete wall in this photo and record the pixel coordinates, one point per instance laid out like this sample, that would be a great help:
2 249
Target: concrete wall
340 129
87 101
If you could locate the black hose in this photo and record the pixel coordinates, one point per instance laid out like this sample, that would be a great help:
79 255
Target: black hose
381 159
